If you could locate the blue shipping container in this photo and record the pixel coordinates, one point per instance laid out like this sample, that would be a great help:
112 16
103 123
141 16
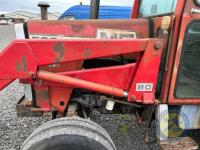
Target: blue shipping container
105 12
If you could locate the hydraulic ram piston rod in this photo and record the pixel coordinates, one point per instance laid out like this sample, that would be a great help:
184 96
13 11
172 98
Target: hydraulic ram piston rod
79 83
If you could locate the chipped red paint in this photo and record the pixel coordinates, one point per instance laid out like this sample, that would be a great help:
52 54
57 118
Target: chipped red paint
59 98
42 96
42 52
86 28
59 50
19 61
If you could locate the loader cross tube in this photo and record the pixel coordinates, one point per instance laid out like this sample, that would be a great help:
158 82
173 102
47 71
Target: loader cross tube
78 83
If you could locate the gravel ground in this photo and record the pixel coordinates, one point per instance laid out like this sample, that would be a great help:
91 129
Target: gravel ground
13 131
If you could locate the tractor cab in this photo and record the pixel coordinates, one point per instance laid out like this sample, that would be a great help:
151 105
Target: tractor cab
181 59
178 82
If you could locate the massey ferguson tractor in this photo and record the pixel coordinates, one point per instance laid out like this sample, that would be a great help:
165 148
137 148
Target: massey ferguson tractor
148 65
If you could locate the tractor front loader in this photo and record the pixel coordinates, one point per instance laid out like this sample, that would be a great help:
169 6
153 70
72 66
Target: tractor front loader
144 65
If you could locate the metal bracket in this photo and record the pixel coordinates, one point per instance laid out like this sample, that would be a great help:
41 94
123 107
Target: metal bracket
71 110
24 109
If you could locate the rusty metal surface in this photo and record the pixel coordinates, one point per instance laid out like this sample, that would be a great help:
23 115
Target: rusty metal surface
24 109
185 143
44 10
71 110
85 28
59 98
41 95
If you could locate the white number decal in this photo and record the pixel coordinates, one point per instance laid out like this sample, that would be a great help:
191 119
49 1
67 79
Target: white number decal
144 87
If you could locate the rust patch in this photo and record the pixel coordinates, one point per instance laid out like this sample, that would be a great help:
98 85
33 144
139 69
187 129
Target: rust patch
87 53
77 28
24 107
158 45
182 143
198 122
22 64
18 66
43 94
60 50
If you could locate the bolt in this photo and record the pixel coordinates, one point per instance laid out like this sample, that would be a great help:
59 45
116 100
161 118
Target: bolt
158 45
133 97
31 74
52 109
157 102
38 83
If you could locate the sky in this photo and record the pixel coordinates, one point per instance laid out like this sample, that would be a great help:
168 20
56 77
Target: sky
56 5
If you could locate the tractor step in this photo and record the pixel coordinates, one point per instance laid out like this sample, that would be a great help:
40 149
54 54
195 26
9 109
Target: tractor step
24 109
183 143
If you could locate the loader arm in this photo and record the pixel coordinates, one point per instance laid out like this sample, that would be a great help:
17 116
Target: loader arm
23 59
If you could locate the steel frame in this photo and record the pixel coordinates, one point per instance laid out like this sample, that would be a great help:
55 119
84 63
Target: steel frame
183 17
186 20
29 55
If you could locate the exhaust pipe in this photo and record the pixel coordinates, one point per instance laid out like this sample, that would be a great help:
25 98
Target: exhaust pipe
44 12
94 9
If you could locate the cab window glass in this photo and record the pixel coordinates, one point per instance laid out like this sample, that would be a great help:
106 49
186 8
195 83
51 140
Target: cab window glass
188 79
156 7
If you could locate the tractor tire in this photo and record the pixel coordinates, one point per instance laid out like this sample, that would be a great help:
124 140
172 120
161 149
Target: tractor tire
69 134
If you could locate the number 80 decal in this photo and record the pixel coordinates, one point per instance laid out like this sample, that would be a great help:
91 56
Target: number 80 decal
144 87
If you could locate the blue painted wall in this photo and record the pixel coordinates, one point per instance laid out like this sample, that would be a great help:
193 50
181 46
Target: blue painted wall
105 12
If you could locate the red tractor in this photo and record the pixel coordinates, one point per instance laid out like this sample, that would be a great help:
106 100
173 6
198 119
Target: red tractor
146 65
